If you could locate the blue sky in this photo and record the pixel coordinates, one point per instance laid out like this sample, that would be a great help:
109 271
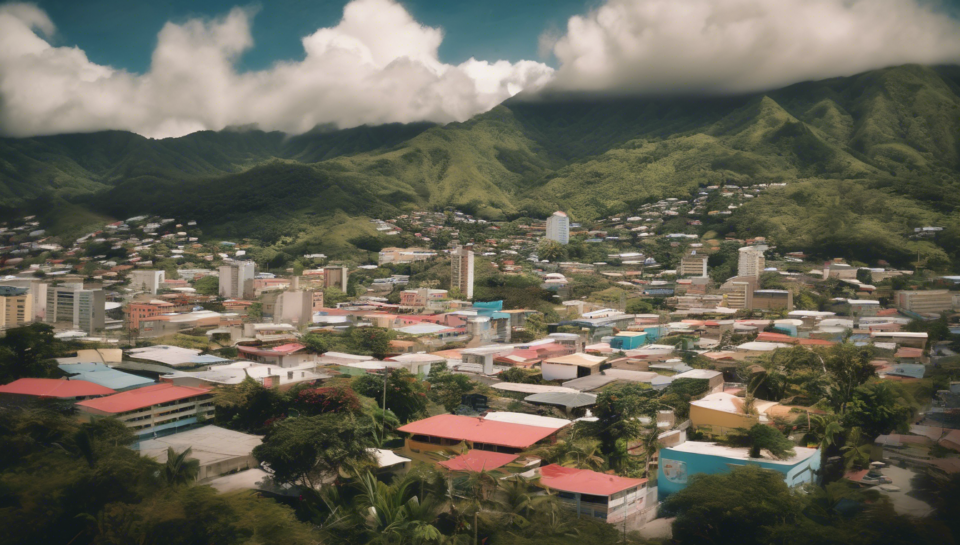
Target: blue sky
290 65
123 33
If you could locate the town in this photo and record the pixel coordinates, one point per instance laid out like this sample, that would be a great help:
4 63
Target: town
601 366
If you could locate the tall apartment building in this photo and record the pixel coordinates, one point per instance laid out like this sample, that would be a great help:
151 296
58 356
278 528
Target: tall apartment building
750 262
738 295
147 281
925 302
38 295
236 280
70 303
335 277
694 264
461 262
16 307
558 227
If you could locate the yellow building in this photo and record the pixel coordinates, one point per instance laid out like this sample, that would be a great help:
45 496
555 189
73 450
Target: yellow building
16 308
722 414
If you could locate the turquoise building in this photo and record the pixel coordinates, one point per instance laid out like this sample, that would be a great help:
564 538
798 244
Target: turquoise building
679 463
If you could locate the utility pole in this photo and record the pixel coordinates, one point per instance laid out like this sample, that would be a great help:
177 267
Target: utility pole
383 419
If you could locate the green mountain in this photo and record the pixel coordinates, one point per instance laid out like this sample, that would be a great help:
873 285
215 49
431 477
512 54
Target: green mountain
866 158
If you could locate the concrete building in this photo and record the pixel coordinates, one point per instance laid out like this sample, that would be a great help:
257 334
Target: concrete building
694 264
772 300
925 302
219 450
335 277
38 295
738 295
138 312
151 410
83 309
677 464
461 263
236 280
571 366
405 255
609 498
293 306
147 281
750 262
558 227
16 307
421 298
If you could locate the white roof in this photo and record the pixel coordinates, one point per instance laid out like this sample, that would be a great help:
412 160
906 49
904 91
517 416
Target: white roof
531 388
580 360
705 374
760 346
387 458
631 376
904 334
730 403
528 420
170 355
735 453
210 444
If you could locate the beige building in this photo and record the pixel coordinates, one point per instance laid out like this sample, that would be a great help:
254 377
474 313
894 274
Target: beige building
925 302
147 281
461 262
693 264
738 295
405 255
750 262
772 300
38 295
236 280
335 277
16 307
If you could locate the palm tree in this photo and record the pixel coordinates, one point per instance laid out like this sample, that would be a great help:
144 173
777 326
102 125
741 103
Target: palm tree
394 515
179 470
650 441
584 455
856 452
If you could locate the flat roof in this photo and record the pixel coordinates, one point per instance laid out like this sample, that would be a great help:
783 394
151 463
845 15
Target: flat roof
584 481
738 453
209 444
704 374
580 360
528 419
54 387
565 399
103 375
590 382
387 458
478 460
142 397
478 430
531 388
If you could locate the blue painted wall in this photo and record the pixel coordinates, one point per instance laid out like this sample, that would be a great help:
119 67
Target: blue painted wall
681 466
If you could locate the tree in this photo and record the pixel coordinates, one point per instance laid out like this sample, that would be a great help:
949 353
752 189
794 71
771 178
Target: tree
373 340
255 311
180 469
247 406
874 409
315 343
405 394
639 306
849 367
536 324
584 454
395 514
768 438
27 352
448 389
310 450
207 285
617 411
856 451
551 250
732 508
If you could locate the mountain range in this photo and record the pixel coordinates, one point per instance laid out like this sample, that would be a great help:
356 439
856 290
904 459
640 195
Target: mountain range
866 159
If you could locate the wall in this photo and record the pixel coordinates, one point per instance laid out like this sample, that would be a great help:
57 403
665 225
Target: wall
553 371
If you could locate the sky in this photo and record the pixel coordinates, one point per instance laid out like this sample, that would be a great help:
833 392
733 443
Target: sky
168 68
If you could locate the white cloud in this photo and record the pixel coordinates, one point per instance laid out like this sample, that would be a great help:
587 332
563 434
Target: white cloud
378 65
745 45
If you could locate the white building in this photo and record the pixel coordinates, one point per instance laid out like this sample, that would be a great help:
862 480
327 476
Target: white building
236 280
83 309
461 261
147 281
558 227
751 262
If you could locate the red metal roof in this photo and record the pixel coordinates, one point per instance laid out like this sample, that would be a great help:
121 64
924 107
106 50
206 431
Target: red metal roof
769 336
52 387
142 397
584 481
478 430
478 460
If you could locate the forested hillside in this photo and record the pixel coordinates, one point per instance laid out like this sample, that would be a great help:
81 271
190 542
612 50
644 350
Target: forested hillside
866 158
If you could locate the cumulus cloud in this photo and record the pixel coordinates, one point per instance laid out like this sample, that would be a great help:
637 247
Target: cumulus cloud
378 65
745 45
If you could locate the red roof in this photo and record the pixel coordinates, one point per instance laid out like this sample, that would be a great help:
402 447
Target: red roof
478 460
282 350
769 336
53 387
478 430
142 397
906 352
584 481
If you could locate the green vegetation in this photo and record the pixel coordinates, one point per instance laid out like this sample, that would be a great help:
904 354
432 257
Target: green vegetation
866 158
